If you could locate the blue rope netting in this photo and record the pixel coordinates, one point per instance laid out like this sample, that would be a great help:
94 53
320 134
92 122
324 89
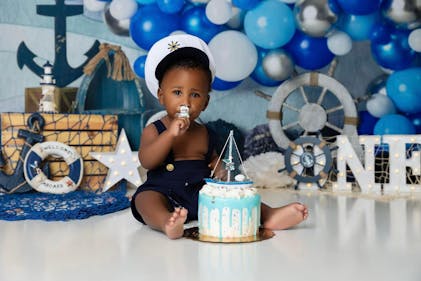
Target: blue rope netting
78 204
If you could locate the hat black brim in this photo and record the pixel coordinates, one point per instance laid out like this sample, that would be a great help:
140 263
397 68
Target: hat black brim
177 55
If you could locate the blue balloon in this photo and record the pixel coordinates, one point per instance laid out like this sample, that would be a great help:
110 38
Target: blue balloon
416 121
367 123
150 24
309 52
359 28
381 33
334 6
245 4
270 24
403 87
359 7
139 66
396 54
170 6
259 74
222 85
194 21
394 124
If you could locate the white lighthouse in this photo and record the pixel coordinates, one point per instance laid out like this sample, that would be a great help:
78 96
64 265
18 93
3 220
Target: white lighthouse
47 103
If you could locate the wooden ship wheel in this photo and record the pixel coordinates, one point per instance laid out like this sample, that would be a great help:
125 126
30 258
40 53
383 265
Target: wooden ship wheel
311 104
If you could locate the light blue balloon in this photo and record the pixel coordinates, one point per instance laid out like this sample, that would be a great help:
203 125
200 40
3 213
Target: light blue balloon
145 2
394 124
270 24
403 87
358 27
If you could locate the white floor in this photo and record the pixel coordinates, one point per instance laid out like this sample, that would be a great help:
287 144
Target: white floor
343 239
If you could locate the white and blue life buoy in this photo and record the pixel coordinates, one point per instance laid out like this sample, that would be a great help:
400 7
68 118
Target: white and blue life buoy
39 181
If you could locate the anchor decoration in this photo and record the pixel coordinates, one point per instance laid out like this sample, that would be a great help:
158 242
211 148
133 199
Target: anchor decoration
16 182
64 73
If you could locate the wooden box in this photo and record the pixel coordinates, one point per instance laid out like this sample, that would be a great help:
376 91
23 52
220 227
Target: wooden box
63 97
84 132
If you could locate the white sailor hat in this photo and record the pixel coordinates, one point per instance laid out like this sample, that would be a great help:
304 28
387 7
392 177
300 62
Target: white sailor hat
171 48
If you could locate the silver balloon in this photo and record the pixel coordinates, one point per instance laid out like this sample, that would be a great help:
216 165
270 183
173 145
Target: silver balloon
404 12
118 27
314 17
278 65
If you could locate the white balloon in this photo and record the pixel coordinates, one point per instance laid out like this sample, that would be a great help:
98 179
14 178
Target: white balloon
289 1
339 43
218 11
414 40
379 105
94 5
234 54
123 9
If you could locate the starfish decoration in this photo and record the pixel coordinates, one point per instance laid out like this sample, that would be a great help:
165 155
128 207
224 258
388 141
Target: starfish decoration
123 163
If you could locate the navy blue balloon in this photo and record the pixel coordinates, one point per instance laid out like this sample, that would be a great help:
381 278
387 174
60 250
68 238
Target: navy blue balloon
222 85
394 124
416 121
139 66
381 33
150 24
309 52
194 21
259 74
395 54
367 123
334 6
359 7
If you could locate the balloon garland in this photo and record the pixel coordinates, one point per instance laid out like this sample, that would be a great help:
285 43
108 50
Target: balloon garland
276 36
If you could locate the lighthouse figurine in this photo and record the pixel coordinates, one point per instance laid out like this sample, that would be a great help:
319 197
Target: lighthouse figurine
47 103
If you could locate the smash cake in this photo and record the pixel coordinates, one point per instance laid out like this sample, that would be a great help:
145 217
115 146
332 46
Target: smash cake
229 211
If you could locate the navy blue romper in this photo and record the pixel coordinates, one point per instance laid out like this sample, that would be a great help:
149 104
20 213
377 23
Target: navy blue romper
179 181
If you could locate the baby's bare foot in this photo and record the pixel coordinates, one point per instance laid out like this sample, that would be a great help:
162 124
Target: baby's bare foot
174 228
286 216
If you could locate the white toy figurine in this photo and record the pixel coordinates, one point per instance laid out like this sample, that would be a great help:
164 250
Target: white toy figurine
184 112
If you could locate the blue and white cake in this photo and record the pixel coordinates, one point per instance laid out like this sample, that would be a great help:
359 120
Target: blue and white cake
228 211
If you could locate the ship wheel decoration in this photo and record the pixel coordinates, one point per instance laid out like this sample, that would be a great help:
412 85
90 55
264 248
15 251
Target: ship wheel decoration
311 104
308 160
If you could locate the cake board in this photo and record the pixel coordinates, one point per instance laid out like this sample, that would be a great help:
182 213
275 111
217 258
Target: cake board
193 234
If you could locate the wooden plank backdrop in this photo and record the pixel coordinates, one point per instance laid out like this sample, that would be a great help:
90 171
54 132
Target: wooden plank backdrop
84 132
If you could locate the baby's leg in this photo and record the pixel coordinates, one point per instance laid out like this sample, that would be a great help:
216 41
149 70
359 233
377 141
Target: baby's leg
283 217
154 209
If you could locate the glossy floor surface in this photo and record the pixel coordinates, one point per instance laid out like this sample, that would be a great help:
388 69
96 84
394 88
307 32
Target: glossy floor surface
343 239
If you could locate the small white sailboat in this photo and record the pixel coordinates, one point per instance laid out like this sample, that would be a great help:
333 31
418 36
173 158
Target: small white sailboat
236 175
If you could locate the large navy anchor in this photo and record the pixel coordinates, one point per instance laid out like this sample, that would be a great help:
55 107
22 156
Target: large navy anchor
16 182
64 74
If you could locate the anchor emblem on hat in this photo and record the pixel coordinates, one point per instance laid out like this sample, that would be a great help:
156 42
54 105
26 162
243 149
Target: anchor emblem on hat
64 73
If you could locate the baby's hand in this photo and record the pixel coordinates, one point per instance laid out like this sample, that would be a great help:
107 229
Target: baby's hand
179 126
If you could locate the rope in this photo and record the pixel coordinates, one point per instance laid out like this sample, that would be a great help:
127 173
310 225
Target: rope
119 70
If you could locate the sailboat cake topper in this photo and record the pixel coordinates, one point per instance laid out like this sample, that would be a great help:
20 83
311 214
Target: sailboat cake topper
236 174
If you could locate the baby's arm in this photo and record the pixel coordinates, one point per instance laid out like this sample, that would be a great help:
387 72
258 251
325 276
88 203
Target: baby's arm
220 172
155 147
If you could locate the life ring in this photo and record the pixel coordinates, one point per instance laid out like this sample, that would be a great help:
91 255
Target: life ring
39 181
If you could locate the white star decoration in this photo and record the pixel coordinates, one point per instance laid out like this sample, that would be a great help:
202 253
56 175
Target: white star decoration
123 163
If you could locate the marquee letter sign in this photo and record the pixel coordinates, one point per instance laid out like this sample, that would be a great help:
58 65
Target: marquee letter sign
364 174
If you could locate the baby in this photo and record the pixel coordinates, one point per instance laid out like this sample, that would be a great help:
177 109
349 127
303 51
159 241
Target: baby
179 152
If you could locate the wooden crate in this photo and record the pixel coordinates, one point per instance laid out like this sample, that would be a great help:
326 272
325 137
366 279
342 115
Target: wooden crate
63 97
84 132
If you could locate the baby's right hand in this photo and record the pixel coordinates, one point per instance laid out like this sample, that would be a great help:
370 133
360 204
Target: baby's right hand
179 126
